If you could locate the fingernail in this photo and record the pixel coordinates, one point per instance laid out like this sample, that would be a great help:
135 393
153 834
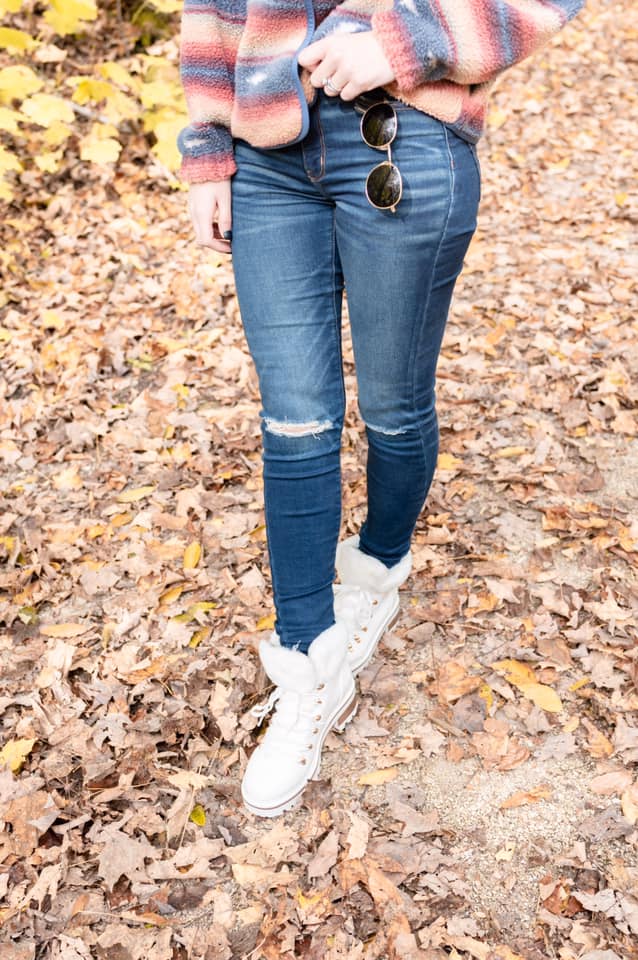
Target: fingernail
227 234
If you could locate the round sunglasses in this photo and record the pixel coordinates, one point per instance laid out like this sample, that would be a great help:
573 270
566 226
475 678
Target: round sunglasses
379 124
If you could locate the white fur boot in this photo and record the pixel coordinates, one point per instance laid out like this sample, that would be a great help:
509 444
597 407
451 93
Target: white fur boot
367 599
315 693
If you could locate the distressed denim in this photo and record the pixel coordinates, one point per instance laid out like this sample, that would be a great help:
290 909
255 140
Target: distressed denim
302 230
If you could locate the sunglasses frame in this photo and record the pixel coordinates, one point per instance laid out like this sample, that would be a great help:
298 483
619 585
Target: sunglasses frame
386 146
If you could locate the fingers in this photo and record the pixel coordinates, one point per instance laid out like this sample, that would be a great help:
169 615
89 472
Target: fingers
312 54
224 215
353 63
210 205
350 91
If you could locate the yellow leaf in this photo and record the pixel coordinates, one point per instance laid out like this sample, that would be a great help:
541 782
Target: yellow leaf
308 902
89 88
203 633
50 161
121 519
9 119
447 461
166 147
542 695
485 693
9 6
201 607
198 815
515 671
483 601
192 555
621 198
167 6
267 623
161 93
376 777
116 73
18 82
509 452
67 16
98 148
8 161
6 193
16 40
559 165
64 630
172 594
56 133
132 496
15 752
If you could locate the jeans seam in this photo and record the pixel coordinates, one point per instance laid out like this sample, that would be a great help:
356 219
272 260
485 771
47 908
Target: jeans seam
417 334
477 164
337 317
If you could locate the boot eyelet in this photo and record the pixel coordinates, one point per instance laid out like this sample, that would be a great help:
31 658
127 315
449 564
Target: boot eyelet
358 639
303 760
321 686
318 717
374 603
316 730
318 701
310 746
365 629
349 646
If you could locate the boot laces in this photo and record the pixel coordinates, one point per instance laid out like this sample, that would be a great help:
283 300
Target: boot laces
354 605
294 723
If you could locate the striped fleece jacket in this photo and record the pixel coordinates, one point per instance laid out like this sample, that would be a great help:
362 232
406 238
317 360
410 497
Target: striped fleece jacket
241 78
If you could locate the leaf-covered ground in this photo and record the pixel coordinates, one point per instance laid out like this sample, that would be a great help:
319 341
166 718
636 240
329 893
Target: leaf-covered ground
484 803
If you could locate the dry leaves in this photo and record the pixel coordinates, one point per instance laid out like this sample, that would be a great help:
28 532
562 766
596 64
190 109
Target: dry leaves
134 580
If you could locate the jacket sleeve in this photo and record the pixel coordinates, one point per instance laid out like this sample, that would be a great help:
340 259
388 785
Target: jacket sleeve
465 41
208 51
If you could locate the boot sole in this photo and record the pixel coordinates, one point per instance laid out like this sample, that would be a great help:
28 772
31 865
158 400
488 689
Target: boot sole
342 718
389 623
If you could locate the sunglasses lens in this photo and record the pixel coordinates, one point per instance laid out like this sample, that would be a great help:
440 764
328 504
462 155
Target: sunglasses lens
383 185
379 125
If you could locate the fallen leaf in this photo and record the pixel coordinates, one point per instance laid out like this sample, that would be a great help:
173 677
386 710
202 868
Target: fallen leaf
192 555
522 797
377 777
15 752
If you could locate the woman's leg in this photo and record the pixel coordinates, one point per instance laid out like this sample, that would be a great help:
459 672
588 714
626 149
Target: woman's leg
400 270
289 287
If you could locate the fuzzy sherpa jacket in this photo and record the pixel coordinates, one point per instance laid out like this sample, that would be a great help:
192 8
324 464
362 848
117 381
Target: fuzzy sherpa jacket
241 78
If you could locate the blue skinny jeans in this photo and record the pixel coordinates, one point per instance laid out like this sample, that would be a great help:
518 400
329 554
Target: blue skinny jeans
302 230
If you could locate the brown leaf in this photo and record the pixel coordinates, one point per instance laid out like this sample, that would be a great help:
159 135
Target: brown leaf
611 784
453 681
522 797
325 857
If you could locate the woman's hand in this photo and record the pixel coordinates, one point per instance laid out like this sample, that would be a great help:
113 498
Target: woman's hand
210 210
354 62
